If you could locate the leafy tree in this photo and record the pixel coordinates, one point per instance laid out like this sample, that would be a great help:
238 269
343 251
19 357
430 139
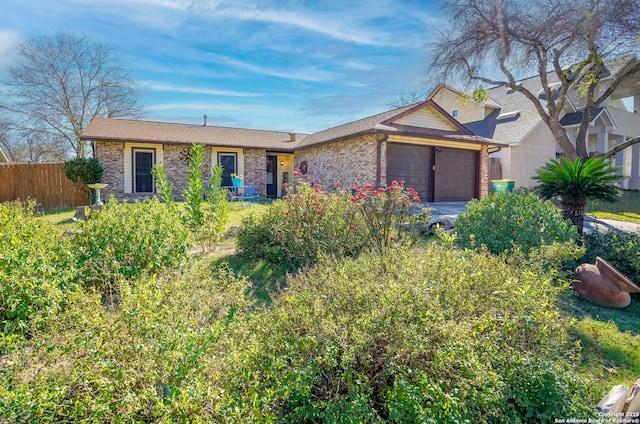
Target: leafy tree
576 182
193 193
62 82
492 42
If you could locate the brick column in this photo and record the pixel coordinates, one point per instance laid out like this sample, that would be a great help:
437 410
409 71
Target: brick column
484 171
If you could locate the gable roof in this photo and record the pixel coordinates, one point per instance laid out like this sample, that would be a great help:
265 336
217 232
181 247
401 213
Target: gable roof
514 129
517 116
395 122
3 156
406 120
111 129
575 118
442 86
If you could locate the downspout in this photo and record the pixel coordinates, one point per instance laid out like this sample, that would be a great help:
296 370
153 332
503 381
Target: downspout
380 140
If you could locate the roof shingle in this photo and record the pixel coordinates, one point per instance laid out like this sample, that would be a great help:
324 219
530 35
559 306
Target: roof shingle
162 132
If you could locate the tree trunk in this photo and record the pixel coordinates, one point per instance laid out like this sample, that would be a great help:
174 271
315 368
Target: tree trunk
560 134
574 211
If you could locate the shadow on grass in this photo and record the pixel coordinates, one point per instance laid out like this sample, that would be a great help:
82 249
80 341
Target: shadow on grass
610 339
266 278
626 319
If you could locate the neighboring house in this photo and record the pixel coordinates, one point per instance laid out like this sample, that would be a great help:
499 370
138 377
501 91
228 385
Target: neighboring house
3 156
510 117
420 144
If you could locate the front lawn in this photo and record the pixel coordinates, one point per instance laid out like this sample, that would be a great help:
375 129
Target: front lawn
426 332
627 208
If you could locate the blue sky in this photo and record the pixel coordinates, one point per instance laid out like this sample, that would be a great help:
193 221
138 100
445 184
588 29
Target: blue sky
283 64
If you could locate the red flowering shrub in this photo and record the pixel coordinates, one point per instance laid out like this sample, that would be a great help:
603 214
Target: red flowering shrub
300 227
310 221
391 216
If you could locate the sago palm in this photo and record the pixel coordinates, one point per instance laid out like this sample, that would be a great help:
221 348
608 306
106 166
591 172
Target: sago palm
576 182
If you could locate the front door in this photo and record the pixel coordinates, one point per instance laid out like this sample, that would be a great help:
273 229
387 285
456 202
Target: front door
272 176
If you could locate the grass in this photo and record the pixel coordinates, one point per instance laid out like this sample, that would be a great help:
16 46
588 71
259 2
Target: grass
609 338
627 208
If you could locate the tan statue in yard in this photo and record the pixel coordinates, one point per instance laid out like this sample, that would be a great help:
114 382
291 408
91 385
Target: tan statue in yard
603 285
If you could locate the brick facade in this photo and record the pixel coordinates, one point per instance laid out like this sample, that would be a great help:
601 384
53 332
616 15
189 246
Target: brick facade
255 169
111 156
484 171
342 162
362 159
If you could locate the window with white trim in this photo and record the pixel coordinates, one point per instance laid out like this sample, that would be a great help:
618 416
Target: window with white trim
143 161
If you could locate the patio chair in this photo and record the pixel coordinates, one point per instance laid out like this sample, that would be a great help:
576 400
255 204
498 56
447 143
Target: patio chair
250 193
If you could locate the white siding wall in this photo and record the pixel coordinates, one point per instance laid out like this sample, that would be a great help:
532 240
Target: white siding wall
287 167
128 161
426 118
468 111
536 150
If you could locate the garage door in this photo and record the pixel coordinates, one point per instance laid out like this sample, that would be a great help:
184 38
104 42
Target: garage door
411 163
456 175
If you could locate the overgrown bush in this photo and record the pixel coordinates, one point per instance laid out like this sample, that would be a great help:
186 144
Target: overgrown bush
310 221
123 240
505 221
145 363
206 220
390 215
304 224
622 250
446 336
36 270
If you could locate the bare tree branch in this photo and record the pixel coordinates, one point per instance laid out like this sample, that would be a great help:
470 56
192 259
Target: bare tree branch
620 147
567 40
64 81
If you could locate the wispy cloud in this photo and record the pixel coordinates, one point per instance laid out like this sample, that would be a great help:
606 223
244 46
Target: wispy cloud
9 45
172 88
307 73
317 22
210 106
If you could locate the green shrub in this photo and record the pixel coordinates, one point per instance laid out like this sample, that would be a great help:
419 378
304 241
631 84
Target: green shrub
445 336
35 270
144 362
194 191
390 216
295 230
622 250
83 170
216 210
311 221
504 221
208 222
123 240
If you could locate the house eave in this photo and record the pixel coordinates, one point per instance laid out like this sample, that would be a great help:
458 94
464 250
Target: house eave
280 149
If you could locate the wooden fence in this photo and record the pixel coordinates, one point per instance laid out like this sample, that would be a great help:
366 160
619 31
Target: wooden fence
44 182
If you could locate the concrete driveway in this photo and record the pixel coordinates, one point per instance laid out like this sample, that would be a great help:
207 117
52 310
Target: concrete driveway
447 211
